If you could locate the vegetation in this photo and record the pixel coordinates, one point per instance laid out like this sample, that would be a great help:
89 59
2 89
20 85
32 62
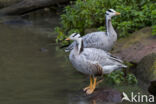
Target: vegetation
88 14
119 77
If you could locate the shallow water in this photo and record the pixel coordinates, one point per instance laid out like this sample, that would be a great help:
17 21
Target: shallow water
33 70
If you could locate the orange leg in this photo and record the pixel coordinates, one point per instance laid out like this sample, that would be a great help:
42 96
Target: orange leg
91 90
90 85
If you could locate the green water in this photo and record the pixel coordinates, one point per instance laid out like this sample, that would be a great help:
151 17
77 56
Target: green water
33 70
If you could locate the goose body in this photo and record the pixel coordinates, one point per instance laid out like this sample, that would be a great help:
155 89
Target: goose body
92 61
100 40
97 40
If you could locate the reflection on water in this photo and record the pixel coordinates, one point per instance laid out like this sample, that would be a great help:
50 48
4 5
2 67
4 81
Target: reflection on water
34 71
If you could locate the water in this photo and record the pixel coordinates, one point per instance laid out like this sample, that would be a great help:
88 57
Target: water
33 70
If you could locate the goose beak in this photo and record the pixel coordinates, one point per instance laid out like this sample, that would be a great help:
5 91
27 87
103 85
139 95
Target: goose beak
67 39
117 13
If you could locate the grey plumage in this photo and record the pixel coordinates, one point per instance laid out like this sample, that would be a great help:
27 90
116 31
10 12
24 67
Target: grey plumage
95 40
100 40
93 61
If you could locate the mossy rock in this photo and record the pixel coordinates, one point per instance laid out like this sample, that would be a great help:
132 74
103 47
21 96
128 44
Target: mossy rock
136 46
146 68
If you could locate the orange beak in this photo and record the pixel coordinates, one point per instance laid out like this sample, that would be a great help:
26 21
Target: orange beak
67 39
117 13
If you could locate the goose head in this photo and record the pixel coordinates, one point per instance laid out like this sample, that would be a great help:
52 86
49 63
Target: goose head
110 13
74 36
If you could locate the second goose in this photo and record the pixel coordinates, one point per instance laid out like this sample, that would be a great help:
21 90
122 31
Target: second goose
101 40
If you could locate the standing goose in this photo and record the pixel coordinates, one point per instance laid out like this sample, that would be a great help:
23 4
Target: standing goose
92 61
100 40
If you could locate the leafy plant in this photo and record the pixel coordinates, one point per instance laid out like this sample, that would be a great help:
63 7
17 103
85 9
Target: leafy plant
118 77
82 15
154 30
131 79
153 15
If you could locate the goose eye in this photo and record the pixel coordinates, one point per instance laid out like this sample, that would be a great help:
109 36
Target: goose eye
110 10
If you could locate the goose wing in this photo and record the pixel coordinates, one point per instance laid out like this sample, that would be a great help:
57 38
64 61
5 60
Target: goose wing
114 57
90 40
101 57
100 61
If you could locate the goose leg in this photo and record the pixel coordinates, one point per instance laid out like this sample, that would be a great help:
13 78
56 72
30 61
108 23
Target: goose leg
91 90
90 85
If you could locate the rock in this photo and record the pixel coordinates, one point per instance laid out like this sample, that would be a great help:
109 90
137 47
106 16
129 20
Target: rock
140 48
106 95
152 88
146 68
26 6
5 3
137 45
102 95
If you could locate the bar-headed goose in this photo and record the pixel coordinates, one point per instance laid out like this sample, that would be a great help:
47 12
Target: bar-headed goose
92 61
101 40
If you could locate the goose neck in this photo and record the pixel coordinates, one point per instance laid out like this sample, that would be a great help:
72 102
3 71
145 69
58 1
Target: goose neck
109 29
79 46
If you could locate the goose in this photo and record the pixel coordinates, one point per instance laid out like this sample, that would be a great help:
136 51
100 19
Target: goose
92 61
101 40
